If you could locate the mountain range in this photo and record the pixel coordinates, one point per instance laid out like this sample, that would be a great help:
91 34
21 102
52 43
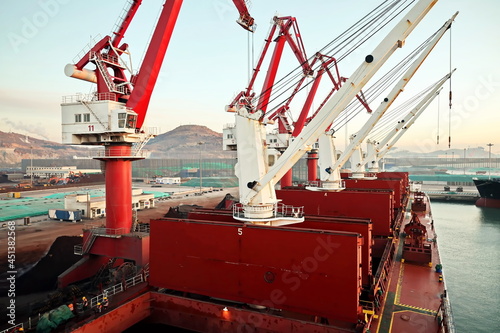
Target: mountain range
186 141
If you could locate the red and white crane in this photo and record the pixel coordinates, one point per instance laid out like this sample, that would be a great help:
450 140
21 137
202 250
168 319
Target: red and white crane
258 202
284 30
113 117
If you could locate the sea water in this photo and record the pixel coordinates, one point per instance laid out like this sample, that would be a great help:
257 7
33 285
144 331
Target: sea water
469 245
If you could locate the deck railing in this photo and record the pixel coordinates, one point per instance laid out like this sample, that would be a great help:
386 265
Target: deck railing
32 322
279 210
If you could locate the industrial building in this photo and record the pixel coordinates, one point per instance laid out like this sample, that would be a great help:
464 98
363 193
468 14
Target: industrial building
95 207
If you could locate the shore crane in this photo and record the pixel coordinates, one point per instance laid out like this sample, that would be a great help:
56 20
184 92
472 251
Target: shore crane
258 202
113 116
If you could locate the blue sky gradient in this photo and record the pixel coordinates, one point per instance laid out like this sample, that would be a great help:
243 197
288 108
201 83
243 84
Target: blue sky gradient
207 62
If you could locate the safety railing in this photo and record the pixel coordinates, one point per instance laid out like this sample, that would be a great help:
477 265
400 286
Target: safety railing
106 57
134 280
108 232
142 227
445 315
110 152
93 41
321 184
81 249
120 287
31 322
78 98
461 194
279 210
95 231
13 328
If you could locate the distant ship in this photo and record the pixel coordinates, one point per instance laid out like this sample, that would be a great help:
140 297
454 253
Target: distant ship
489 190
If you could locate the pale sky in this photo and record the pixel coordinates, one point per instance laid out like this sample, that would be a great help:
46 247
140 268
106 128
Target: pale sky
207 62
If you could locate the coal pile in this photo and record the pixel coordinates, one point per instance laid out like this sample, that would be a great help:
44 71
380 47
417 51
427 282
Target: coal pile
181 211
43 276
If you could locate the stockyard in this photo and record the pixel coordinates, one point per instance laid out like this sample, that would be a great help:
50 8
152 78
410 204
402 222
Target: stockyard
43 248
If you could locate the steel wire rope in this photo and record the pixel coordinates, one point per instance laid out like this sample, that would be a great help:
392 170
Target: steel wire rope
410 103
155 22
399 113
380 86
386 125
390 11
396 114
279 85
290 77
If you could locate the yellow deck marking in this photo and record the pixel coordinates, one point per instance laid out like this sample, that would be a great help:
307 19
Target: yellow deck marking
398 294
400 281
396 312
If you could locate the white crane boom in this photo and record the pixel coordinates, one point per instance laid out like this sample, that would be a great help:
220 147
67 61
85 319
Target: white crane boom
310 133
358 138
388 142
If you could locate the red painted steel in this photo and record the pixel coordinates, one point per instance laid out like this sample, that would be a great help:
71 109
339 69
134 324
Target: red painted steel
118 175
417 290
391 184
360 226
212 215
416 278
83 269
373 204
271 74
487 202
120 32
401 175
118 319
150 68
204 316
412 321
245 20
130 247
312 165
300 270
363 227
287 179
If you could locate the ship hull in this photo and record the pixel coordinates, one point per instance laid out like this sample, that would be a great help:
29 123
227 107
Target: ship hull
489 190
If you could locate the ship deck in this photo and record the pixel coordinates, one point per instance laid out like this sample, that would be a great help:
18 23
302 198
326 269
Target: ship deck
414 295
412 300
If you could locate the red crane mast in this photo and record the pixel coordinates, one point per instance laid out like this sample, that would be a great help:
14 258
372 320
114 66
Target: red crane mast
145 79
287 31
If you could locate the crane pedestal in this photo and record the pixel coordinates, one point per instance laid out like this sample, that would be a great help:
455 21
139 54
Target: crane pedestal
118 172
312 165
117 239
287 179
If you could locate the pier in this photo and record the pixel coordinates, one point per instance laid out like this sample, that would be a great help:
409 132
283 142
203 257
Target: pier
451 193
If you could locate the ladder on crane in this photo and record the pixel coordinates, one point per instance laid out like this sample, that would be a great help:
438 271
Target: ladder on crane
99 59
